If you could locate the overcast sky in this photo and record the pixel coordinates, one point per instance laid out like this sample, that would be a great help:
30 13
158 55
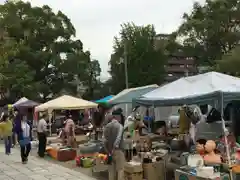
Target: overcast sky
98 21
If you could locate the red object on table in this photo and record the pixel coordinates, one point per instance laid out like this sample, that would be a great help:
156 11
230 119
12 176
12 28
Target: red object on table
231 141
237 156
78 160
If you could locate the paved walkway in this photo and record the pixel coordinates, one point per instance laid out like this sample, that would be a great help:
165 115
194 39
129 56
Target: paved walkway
11 168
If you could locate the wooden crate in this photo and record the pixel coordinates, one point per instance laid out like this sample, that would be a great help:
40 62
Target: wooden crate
62 154
154 171
133 176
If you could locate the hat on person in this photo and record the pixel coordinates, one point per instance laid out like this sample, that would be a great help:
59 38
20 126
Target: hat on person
10 106
119 110
116 112
137 116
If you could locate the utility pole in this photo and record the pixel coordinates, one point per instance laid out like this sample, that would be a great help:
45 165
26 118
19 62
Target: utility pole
126 73
125 64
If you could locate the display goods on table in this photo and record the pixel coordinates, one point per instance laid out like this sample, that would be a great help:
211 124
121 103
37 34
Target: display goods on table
210 162
185 175
100 164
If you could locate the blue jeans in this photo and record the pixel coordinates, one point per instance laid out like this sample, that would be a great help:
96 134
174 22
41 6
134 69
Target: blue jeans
13 139
8 144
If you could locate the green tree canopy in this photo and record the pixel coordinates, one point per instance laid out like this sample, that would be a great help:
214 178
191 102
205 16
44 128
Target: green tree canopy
211 30
145 62
230 62
47 59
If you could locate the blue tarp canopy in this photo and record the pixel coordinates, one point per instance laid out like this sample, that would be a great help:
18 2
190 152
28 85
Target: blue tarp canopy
105 99
127 95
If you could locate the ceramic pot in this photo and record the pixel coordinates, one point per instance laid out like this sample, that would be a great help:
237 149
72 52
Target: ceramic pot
176 144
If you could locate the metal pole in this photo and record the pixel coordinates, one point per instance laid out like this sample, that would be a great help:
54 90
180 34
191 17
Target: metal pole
126 74
225 138
125 65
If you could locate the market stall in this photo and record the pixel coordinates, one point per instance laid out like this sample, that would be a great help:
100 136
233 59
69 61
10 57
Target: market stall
208 88
127 95
104 100
59 150
26 104
124 98
65 102
211 88
21 100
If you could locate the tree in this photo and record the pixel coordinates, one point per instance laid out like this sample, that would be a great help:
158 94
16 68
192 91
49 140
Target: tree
52 59
93 72
211 30
144 61
230 63
11 69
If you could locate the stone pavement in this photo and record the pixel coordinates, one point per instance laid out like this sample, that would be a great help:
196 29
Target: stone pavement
11 168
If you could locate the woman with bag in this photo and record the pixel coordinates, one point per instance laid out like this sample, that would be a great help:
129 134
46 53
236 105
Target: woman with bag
23 132
6 129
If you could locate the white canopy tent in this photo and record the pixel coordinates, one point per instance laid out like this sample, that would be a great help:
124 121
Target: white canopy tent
65 102
210 88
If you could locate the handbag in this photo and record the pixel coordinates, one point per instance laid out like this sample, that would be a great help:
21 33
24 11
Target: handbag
25 141
109 159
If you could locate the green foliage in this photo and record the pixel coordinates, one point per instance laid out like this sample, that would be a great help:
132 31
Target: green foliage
92 83
211 30
230 62
144 61
47 60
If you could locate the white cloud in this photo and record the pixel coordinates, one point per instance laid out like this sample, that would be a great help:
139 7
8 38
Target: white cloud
98 21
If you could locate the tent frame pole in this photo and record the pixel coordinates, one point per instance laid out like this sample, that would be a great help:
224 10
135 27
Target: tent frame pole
225 137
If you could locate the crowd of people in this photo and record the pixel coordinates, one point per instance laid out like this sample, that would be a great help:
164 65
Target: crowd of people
14 128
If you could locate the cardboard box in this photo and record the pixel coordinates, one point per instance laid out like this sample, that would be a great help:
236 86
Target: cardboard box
133 171
133 167
154 171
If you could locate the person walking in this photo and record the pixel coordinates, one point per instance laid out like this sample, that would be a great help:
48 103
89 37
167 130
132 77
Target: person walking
113 134
24 139
6 129
12 119
42 136
70 131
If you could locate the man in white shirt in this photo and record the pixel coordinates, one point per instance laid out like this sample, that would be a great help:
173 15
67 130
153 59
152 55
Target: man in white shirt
42 136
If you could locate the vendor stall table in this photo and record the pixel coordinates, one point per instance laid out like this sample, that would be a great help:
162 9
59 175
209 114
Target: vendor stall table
183 175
